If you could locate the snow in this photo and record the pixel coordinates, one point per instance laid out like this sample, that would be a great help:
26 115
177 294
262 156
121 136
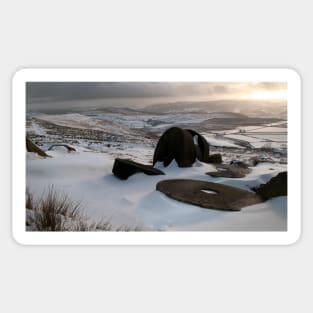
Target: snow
36 129
137 152
101 121
220 142
152 120
260 139
77 120
272 129
269 216
260 136
124 124
86 177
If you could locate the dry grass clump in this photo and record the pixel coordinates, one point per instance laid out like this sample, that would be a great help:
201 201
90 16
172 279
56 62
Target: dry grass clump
55 211
30 202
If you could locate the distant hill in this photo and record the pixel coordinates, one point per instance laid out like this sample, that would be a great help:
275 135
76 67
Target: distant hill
233 108
252 108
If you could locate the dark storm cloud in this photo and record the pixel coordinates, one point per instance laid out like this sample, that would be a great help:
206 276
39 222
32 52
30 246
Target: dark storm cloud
70 95
62 91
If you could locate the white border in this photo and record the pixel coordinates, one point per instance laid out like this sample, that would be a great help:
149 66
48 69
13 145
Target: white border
156 238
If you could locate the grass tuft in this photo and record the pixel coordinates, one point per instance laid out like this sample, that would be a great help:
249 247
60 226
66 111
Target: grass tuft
55 211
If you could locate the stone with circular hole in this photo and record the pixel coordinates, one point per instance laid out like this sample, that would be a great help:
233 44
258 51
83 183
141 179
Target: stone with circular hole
218 197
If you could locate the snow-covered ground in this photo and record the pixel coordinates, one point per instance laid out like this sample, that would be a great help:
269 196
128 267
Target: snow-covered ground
101 136
149 120
85 122
216 141
86 176
258 137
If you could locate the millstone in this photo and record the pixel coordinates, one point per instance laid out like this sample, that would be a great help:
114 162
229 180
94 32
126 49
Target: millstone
175 144
124 168
68 148
224 197
202 147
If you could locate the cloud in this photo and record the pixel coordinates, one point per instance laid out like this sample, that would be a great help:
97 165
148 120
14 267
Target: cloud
271 86
44 94
94 90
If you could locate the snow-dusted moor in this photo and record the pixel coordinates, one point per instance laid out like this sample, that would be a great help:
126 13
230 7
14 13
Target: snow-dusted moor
156 156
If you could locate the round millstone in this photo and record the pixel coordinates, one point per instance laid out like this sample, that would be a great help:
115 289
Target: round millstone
208 195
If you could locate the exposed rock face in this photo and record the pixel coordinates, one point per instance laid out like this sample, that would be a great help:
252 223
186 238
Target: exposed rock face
276 187
201 145
125 168
215 158
220 197
175 144
31 147
230 171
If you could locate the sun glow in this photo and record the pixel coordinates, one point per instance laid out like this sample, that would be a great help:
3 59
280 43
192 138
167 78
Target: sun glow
267 94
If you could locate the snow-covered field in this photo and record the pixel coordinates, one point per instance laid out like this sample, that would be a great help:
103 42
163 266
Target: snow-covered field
221 141
76 120
87 177
99 137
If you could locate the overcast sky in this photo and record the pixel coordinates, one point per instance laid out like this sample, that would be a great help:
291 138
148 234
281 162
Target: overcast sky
41 95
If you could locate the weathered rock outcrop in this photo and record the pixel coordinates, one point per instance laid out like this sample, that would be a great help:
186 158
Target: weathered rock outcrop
276 187
31 147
